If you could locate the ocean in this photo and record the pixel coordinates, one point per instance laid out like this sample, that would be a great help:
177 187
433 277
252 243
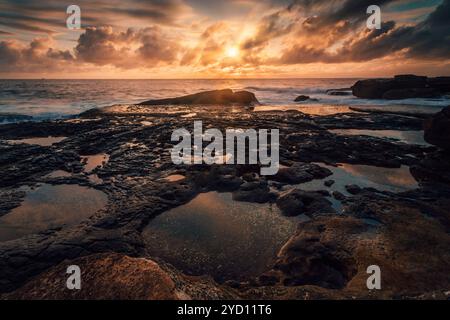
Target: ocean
51 99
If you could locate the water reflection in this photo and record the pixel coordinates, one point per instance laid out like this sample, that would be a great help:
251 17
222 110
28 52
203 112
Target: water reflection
410 137
49 206
383 179
94 161
174 178
319 110
215 235
58 174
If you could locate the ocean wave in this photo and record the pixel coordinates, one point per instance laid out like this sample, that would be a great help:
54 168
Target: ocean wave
287 89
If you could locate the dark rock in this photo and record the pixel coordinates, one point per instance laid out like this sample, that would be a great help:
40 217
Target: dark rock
372 88
398 94
296 202
437 129
216 97
411 79
329 183
228 182
309 259
301 172
338 195
353 189
258 192
301 98
250 176
401 87
325 193
328 252
268 279
440 83
9 200
435 168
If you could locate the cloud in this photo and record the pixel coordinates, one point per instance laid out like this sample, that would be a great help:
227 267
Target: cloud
426 40
130 49
269 28
50 16
146 47
38 55
193 36
209 47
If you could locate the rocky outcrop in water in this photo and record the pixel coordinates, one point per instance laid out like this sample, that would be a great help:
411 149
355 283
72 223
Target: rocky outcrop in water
437 129
301 98
401 87
215 97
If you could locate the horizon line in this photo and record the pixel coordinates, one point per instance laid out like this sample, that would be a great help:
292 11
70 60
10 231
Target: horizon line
201 79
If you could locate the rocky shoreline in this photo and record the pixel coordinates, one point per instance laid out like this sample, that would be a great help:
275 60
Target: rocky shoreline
405 233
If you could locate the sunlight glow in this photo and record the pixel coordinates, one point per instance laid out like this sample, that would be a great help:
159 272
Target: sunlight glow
232 52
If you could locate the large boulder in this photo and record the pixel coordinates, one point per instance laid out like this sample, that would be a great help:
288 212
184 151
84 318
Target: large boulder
440 83
401 87
410 93
215 97
437 129
411 80
372 88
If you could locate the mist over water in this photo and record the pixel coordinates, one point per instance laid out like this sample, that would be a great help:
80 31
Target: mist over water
47 99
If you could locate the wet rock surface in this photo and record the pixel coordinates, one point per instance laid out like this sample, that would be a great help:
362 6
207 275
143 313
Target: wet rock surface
406 233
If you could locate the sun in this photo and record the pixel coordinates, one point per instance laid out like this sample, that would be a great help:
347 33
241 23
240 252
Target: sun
232 52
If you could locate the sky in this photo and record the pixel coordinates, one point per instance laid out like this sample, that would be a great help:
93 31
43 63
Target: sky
172 39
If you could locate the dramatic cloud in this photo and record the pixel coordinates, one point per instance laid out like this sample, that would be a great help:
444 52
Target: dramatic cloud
38 55
145 48
129 49
269 28
426 40
50 16
222 38
210 46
